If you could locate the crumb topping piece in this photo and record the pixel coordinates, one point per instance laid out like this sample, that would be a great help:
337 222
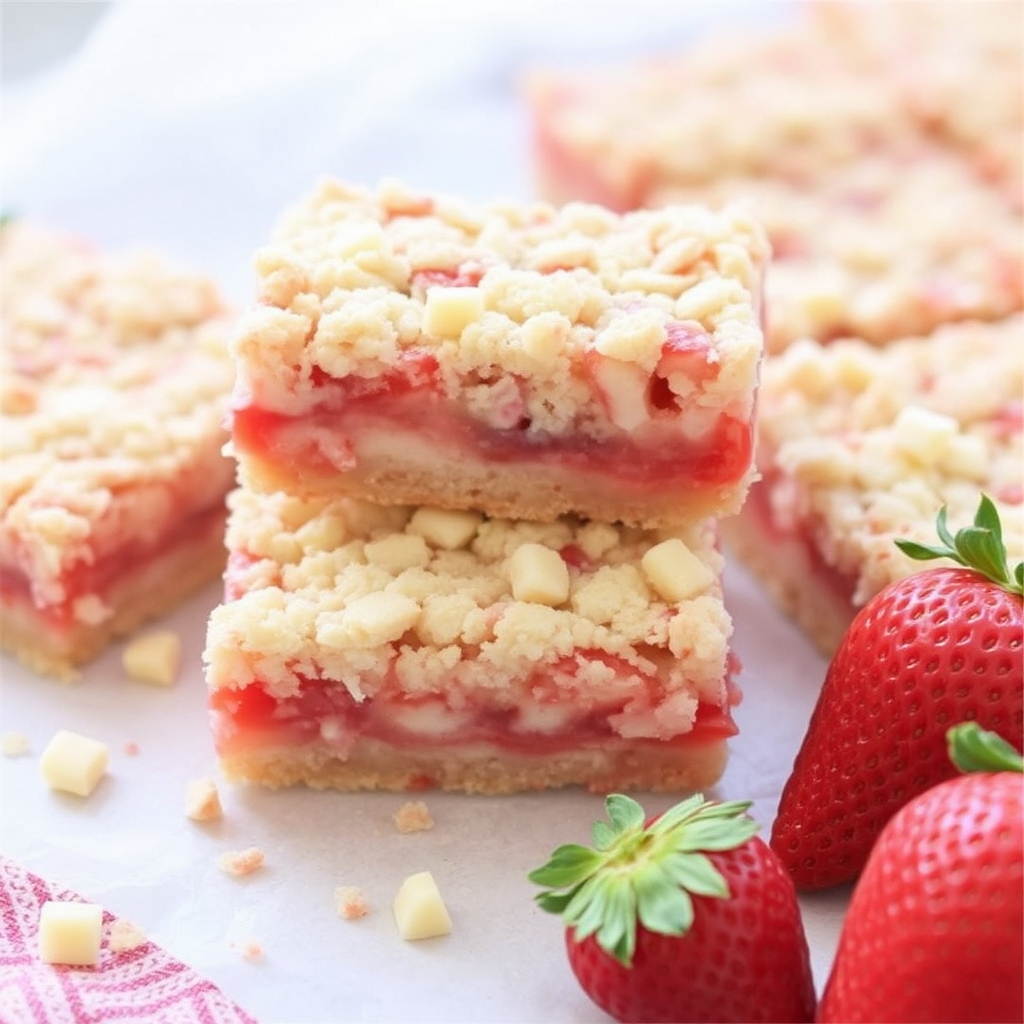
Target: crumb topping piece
241 862
123 936
350 902
413 816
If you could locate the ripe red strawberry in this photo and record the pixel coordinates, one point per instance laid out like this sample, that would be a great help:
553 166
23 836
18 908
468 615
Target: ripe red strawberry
687 917
944 645
935 928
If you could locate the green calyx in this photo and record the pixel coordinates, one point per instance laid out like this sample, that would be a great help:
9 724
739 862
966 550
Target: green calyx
979 547
642 874
973 749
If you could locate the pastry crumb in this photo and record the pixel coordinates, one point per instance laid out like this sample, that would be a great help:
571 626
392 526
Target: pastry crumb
350 901
241 862
250 949
202 801
124 936
14 744
413 817
131 748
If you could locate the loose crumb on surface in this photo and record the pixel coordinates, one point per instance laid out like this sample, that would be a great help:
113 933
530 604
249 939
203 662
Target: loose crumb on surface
202 801
124 936
241 862
249 949
131 748
351 902
14 744
413 817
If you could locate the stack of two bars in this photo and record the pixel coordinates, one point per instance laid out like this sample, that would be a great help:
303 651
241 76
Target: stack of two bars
482 453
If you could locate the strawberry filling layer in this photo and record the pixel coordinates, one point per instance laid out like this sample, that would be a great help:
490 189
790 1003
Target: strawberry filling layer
322 713
325 440
104 575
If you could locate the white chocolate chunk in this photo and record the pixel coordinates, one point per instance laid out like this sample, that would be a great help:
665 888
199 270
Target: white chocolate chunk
447 311
154 658
419 910
70 933
923 434
398 552
447 529
202 801
624 389
73 763
370 620
538 574
675 572
14 744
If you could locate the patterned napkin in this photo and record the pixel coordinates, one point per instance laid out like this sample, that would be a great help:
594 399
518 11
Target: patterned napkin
143 984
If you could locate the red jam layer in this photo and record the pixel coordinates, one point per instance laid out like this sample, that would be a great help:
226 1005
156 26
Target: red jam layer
103 575
325 712
409 399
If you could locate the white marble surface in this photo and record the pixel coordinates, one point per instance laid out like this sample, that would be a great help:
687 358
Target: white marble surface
189 126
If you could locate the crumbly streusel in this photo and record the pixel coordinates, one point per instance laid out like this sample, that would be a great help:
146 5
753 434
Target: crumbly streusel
114 380
860 445
503 297
364 597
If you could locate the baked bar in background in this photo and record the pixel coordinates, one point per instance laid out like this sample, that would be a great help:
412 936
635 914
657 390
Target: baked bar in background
114 384
529 361
371 647
859 446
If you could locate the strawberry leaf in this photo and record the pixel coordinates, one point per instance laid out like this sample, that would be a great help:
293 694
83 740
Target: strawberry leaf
641 874
979 547
568 864
973 749
624 812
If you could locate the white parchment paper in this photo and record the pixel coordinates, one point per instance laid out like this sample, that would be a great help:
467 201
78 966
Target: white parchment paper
189 126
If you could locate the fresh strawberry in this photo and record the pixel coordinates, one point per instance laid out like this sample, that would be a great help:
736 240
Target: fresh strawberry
938 647
935 928
686 917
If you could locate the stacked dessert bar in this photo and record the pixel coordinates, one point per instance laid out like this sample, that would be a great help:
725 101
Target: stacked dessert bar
114 382
880 145
482 454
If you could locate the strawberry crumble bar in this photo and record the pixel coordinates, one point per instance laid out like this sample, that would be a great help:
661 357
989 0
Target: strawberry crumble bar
367 646
859 446
528 361
115 383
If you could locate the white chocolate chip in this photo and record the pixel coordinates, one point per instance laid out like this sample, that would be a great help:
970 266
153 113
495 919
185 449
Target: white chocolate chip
922 434
70 933
73 763
448 311
369 621
623 387
447 529
675 572
419 910
539 575
154 658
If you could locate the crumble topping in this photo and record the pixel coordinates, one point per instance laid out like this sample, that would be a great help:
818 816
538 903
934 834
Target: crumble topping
502 303
114 381
383 608
870 443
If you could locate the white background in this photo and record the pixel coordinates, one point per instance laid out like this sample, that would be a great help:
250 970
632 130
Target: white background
189 126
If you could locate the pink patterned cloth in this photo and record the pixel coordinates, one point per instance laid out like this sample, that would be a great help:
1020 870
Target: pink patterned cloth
143 984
